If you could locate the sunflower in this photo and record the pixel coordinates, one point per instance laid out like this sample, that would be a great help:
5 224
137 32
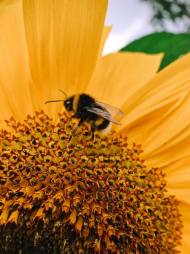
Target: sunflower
125 192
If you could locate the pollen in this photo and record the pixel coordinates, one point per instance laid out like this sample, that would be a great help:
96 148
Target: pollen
64 190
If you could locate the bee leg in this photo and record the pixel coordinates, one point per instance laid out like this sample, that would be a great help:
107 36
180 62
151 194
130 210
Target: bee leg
75 129
93 129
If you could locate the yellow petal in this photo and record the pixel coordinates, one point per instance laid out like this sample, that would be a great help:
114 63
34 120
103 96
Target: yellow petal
14 72
105 34
157 115
160 122
118 76
178 179
63 40
181 194
185 243
7 2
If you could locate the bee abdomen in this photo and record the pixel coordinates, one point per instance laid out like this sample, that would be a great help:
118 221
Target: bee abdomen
101 124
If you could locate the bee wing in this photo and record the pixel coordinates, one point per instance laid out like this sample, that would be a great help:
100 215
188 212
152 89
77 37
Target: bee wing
114 111
102 110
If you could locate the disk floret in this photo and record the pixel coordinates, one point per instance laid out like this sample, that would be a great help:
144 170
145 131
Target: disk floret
64 193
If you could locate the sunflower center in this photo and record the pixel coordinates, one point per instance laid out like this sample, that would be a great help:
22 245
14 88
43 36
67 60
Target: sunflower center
64 191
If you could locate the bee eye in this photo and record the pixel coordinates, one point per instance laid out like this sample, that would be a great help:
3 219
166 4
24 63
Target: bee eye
68 105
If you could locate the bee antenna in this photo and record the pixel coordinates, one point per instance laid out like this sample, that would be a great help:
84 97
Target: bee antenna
63 93
55 101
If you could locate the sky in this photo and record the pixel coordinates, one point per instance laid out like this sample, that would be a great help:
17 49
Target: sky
131 19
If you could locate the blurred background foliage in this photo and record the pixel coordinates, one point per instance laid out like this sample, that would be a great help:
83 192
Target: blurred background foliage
173 45
170 10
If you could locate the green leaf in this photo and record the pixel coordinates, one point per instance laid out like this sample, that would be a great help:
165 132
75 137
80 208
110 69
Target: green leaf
172 45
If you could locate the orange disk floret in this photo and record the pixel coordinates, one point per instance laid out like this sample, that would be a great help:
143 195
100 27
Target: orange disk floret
64 193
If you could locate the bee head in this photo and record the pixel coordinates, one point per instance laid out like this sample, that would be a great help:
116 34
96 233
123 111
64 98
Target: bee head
68 103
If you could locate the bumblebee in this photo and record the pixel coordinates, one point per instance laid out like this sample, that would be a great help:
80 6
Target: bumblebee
84 107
